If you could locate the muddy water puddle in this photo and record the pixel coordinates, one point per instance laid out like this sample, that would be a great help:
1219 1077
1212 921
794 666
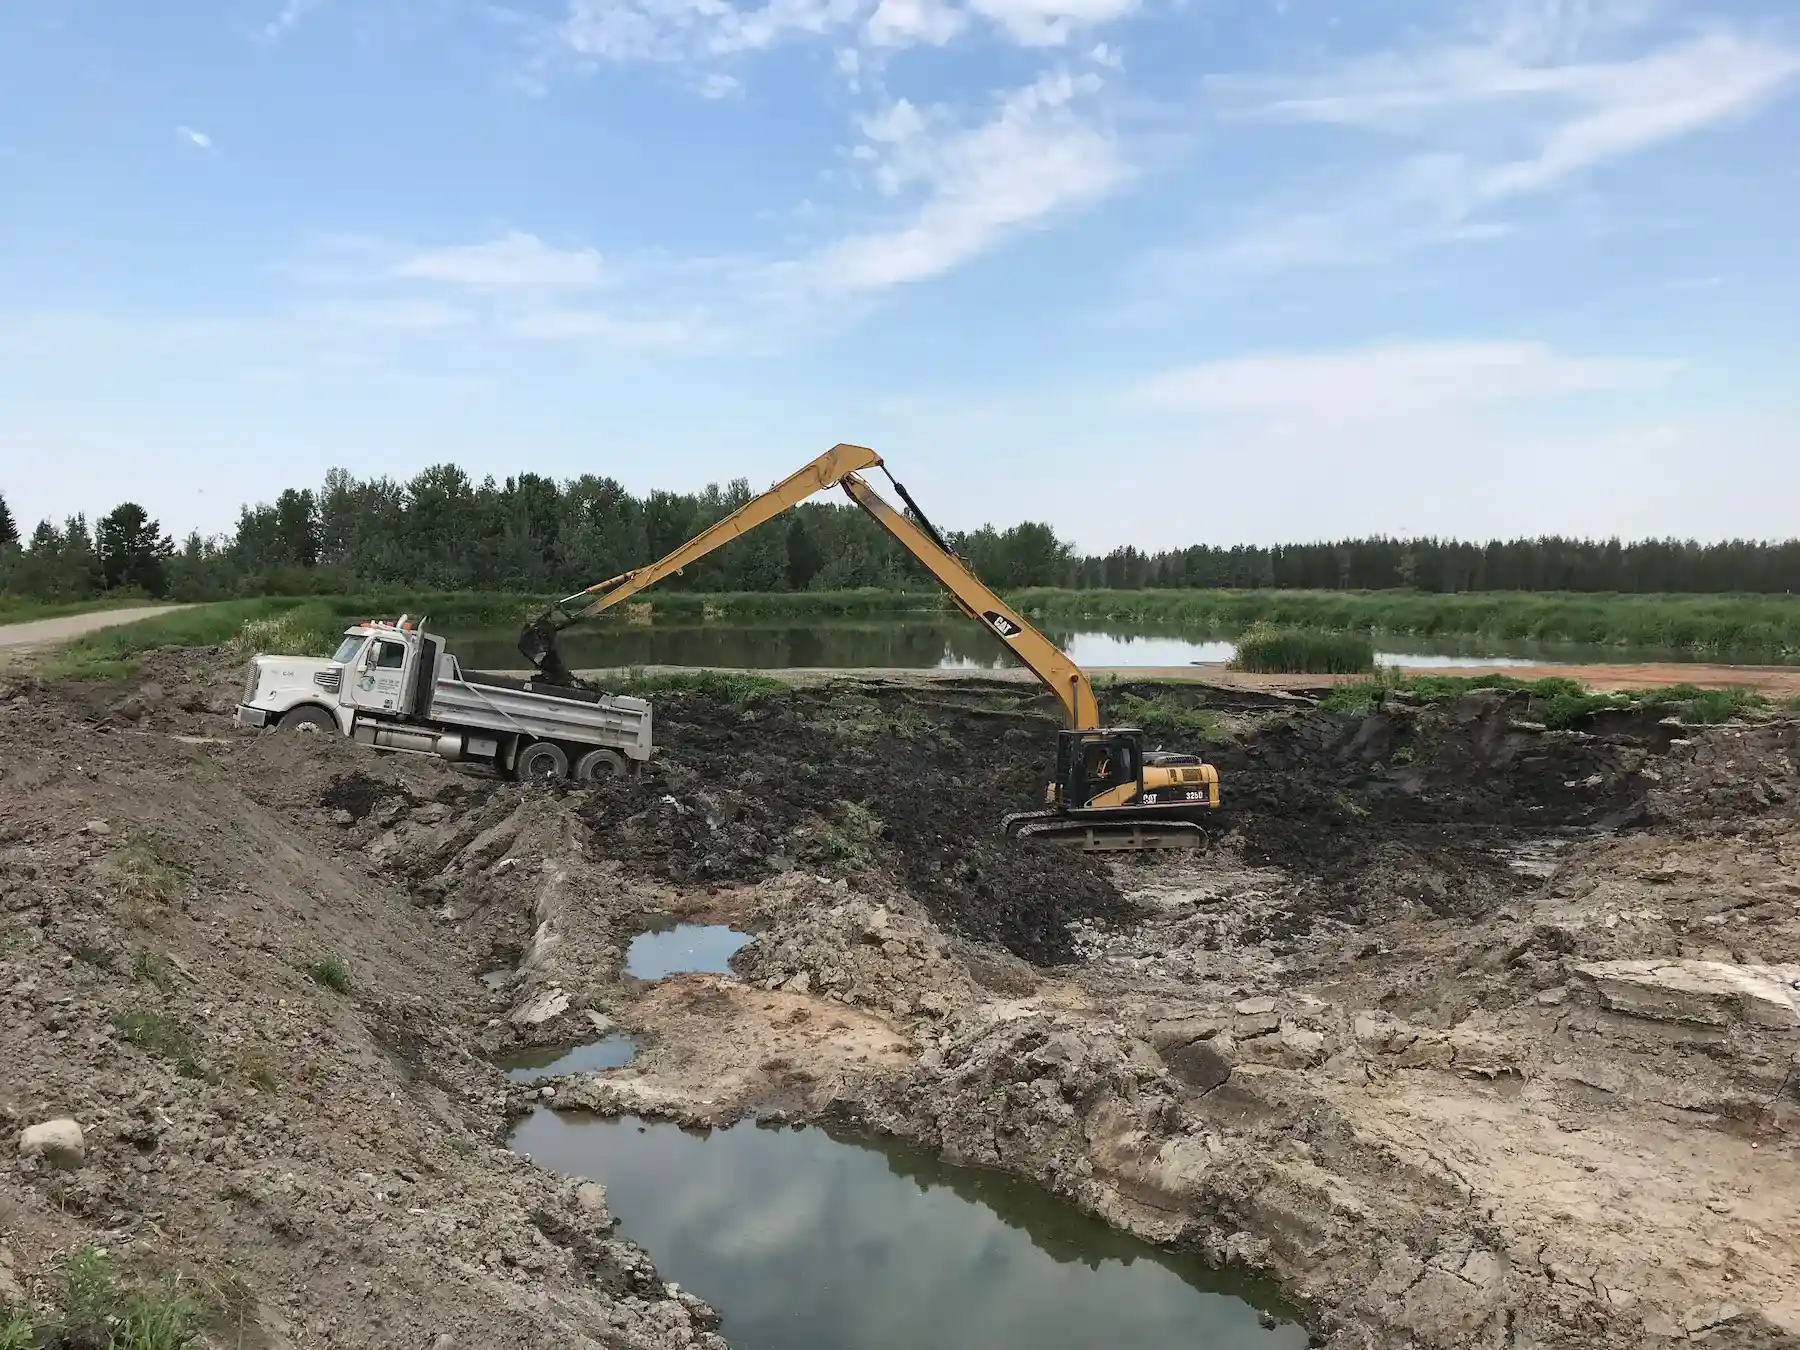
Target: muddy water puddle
538 1064
807 1241
703 947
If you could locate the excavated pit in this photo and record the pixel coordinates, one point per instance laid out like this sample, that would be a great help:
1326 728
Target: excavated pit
1463 1032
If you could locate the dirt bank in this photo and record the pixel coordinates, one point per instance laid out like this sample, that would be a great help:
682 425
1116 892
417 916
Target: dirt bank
1467 1032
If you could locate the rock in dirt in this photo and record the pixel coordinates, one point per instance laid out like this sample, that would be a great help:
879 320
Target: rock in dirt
59 1143
1704 993
1199 1064
541 1007
590 1198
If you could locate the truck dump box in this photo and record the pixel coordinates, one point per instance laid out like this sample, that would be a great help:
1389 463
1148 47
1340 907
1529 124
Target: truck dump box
533 708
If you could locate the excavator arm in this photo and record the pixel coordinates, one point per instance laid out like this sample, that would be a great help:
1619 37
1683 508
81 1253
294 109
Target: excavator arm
838 467
538 641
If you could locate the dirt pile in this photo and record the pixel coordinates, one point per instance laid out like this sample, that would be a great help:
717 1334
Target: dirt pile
268 1050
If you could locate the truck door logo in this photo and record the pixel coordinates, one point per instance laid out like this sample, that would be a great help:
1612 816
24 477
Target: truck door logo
366 682
1002 625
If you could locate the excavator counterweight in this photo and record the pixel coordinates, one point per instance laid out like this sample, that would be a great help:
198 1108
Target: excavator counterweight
1108 793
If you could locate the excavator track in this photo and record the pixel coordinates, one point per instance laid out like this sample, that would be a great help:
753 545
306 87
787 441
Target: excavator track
1104 836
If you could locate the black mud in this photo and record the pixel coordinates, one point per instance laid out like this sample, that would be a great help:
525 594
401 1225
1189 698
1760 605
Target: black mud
911 782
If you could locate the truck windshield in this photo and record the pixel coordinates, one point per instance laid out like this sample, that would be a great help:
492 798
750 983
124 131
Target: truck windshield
348 648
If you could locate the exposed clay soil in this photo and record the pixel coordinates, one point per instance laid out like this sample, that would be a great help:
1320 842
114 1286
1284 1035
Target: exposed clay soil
1466 1032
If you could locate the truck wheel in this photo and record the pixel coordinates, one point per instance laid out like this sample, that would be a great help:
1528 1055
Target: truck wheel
599 764
312 721
542 762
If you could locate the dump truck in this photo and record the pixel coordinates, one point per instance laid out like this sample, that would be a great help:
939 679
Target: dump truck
393 686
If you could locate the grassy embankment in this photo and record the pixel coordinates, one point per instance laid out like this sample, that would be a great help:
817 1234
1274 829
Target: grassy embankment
1743 628
1559 703
305 627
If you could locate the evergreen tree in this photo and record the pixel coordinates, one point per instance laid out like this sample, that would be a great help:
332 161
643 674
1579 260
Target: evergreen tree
132 550
9 530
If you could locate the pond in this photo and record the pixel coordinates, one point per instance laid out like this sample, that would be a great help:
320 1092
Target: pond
541 1063
804 1240
949 644
705 947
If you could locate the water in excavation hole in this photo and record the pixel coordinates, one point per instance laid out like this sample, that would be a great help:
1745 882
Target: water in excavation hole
805 1241
541 1063
705 947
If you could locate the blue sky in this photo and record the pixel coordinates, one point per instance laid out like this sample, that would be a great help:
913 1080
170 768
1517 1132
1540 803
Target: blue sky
1156 271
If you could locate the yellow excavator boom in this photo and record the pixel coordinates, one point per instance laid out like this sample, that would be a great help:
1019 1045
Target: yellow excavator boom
838 467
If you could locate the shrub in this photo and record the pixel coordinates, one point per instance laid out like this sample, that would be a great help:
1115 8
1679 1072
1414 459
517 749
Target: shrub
154 970
1160 715
165 1036
331 972
1272 650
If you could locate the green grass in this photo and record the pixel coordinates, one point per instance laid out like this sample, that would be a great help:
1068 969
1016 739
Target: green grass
299 627
111 653
16 1331
92 954
154 970
1271 649
148 869
1745 628
97 1313
1703 707
738 688
165 1036
330 971
258 1067
1561 704
851 835
1162 715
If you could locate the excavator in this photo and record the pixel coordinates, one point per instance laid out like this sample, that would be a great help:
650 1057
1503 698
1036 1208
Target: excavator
1109 793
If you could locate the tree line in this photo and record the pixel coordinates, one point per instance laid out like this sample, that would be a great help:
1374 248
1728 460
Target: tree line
442 530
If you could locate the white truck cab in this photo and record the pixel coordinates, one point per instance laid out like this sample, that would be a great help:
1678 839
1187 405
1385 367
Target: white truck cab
392 685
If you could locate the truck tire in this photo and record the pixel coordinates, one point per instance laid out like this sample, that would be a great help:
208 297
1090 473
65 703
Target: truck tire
599 764
542 762
311 721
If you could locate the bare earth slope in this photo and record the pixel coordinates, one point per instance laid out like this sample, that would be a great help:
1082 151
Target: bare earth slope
1468 1033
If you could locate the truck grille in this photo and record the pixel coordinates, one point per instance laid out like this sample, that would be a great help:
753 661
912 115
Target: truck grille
328 680
254 680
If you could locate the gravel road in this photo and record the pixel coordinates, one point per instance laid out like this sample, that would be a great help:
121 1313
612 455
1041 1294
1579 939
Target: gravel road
44 632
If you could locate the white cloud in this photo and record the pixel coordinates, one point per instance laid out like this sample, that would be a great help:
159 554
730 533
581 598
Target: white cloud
1392 379
285 21
1520 107
716 85
514 261
1050 23
1037 157
902 23
689 30
697 31
195 138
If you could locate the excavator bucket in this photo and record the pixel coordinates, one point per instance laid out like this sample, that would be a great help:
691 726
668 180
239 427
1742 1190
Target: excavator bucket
538 645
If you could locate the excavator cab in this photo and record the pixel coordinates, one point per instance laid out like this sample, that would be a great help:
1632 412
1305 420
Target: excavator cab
1099 769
